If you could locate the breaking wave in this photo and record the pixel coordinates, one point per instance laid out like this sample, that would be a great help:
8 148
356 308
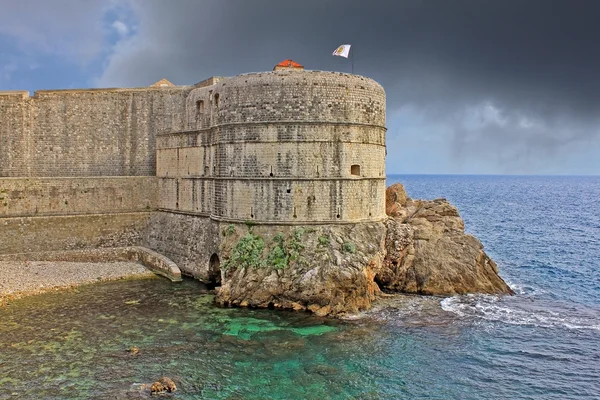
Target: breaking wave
522 310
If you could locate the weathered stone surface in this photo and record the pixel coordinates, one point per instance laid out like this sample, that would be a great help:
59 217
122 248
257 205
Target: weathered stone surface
395 199
86 132
260 147
68 232
188 240
327 278
36 197
427 252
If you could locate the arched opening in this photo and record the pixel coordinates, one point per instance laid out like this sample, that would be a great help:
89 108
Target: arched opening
355 170
214 272
217 99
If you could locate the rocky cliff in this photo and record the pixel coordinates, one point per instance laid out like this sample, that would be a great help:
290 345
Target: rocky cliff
328 270
338 269
428 252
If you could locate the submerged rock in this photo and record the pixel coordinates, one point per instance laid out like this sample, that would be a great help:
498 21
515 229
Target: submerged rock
162 385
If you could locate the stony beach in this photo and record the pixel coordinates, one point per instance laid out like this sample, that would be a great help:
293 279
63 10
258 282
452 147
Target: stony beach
21 278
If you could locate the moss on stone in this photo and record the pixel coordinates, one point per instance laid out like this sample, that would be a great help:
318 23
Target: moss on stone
324 240
349 247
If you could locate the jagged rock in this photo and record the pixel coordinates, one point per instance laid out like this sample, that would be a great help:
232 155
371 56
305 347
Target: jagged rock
162 385
329 278
427 252
395 200
341 268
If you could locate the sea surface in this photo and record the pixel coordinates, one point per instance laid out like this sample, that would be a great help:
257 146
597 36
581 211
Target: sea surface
542 343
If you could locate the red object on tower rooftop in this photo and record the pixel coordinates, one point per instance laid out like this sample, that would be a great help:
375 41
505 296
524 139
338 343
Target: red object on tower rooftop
288 64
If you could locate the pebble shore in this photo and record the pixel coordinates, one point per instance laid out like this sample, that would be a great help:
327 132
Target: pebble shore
20 278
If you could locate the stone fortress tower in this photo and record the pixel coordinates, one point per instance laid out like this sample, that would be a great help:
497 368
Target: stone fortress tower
285 147
170 167
270 185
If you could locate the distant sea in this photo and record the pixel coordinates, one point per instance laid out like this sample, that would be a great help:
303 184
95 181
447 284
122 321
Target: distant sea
542 343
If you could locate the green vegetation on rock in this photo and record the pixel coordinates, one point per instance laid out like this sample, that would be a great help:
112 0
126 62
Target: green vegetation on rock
324 240
295 246
247 253
229 230
278 257
349 247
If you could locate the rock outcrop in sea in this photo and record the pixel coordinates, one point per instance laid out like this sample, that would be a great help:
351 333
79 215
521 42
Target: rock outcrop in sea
428 251
421 248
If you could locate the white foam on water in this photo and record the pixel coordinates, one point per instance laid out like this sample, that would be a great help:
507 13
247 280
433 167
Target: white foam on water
525 289
494 309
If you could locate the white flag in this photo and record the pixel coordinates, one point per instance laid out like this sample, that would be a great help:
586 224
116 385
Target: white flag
342 51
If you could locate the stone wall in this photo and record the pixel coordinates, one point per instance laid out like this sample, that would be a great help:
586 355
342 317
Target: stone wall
69 196
188 240
14 142
97 132
296 147
44 214
35 234
287 96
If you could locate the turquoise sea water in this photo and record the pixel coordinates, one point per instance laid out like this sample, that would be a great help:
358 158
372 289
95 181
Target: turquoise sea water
544 233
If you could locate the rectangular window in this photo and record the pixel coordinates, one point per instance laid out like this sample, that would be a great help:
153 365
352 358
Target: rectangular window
200 106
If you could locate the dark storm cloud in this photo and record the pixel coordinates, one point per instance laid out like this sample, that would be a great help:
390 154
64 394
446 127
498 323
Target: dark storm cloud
529 67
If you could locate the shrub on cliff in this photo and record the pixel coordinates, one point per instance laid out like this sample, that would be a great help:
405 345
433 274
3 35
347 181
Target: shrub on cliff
247 253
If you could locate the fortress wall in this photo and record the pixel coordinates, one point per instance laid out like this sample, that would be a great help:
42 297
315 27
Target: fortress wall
168 193
49 233
185 161
316 131
308 201
284 147
267 132
14 110
300 159
284 150
186 239
200 110
69 196
297 96
102 132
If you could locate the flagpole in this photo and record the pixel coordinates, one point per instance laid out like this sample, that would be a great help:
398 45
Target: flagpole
352 58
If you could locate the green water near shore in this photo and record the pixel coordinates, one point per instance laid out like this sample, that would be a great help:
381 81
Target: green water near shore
73 345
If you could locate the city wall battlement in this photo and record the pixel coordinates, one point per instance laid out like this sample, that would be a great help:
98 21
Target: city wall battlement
98 132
